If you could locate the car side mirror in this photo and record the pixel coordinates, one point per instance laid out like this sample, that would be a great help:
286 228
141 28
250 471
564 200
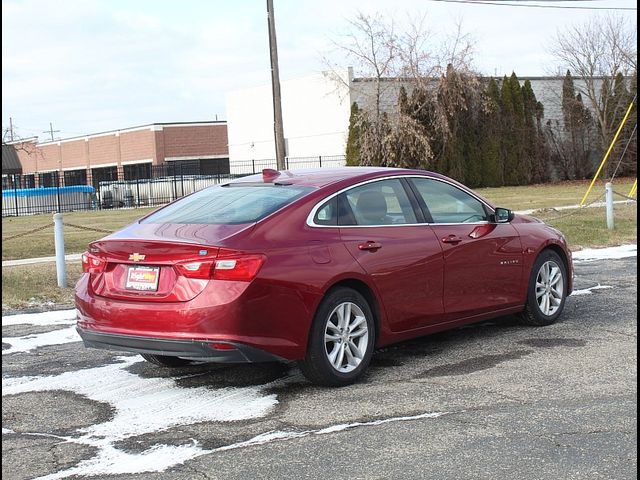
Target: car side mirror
502 215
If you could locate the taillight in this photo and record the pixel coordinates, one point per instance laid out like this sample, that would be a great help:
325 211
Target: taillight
240 267
92 264
228 265
196 269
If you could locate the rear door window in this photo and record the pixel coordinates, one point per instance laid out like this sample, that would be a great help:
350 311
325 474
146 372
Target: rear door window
229 204
378 203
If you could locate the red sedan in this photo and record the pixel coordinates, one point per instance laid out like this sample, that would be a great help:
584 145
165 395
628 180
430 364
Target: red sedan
320 266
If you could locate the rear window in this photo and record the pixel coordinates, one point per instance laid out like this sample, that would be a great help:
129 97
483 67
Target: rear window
229 204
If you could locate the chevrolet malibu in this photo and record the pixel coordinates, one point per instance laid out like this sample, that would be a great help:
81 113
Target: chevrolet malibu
317 266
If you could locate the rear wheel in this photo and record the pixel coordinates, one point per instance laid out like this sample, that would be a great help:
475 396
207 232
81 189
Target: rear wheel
166 361
341 339
547 290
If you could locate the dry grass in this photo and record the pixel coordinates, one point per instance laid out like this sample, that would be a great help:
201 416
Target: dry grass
28 286
587 227
551 194
40 244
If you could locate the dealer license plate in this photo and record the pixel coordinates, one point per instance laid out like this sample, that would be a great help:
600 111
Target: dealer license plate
143 278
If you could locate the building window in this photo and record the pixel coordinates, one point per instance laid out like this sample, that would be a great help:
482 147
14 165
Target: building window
28 181
104 174
183 167
214 166
202 166
138 171
75 177
48 179
7 182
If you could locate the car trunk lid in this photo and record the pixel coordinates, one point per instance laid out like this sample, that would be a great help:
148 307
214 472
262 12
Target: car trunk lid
148 270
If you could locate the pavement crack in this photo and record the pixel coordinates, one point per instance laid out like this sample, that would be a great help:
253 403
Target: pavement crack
200 473
591 432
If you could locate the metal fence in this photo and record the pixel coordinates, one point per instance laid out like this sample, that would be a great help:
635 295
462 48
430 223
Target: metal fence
128 186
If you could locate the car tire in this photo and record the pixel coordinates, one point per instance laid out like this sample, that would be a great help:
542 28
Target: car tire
547 290
166 361
341 339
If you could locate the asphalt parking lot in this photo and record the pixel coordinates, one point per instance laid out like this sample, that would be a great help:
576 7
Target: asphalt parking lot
494 400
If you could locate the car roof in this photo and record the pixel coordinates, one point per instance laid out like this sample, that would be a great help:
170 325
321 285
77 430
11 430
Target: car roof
320 177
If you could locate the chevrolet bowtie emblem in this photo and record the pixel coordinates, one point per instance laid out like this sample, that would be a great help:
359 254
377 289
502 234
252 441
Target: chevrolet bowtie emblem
136 257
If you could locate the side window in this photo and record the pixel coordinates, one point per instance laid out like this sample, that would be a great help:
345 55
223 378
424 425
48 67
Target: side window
377 203
327 214
449 204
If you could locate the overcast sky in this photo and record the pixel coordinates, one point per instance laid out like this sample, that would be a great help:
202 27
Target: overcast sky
93 65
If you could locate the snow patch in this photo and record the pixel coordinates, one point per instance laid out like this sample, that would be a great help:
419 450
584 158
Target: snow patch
277 435
56 317
146 405
589 291
36 340
609 253
143 405
7 430
30 342
111 461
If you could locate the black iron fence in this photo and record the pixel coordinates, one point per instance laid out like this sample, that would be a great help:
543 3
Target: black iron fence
129 186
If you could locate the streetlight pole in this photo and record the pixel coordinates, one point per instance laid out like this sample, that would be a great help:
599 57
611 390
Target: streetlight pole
275 86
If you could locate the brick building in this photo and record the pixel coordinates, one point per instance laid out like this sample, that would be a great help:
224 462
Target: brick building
126 154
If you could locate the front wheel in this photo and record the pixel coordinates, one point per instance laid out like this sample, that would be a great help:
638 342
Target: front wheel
547 290
341 339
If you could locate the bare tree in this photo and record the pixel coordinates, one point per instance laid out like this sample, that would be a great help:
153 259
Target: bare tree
388 58
596 52
372 46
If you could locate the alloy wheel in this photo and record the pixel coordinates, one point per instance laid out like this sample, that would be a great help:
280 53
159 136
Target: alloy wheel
549 288
346 337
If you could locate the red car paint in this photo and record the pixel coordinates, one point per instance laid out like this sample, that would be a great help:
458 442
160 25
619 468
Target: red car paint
424 278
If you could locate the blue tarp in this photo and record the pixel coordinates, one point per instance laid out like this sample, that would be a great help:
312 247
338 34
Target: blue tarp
46 191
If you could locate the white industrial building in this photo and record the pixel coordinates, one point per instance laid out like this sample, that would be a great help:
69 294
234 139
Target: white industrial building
316 109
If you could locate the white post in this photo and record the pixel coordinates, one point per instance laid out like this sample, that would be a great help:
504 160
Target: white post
609 201
58 234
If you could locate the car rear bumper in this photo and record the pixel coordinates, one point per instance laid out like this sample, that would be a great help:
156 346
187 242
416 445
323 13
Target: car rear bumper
248 317
190 349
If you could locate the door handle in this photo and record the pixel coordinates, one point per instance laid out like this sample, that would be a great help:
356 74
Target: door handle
370 245
454 239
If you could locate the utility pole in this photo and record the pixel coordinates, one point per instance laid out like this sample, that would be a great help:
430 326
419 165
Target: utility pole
11 128
51 131
275 86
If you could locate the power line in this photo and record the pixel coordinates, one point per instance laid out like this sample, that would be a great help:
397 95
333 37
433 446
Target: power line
519 4
51 131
